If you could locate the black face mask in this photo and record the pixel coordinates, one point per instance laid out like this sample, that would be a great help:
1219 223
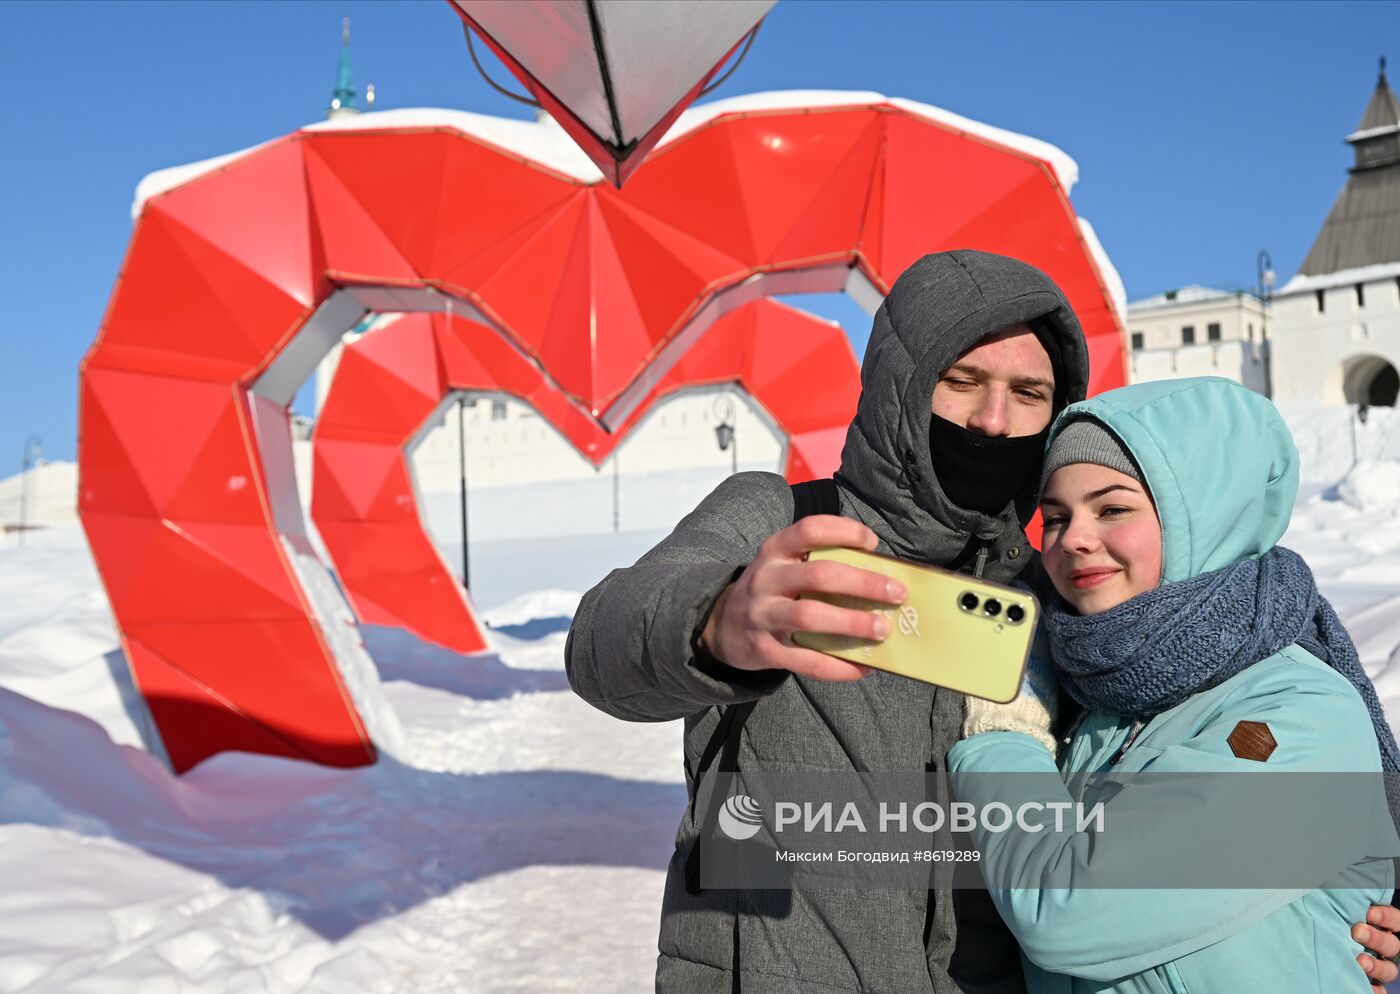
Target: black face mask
979 472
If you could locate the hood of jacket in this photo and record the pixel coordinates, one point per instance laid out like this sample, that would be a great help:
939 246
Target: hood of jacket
941 306
1218 461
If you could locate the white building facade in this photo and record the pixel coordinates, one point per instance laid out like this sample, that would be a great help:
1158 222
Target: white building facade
1198 331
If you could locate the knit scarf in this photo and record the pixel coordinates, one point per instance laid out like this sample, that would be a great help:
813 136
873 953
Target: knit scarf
1154 651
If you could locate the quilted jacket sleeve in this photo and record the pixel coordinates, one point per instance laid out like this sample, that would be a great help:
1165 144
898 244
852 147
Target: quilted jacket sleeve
629 650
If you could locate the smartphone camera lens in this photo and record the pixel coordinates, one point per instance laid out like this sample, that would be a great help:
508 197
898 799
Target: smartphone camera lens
991 608
1015 614
968 601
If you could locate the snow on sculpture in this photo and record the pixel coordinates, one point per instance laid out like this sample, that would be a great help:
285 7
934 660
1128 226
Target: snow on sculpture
242 273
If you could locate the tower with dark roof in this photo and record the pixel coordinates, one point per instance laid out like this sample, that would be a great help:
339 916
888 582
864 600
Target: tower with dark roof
1335 326
1363 228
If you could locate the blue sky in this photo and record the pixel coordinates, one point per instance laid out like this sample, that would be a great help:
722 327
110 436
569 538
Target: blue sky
1204 132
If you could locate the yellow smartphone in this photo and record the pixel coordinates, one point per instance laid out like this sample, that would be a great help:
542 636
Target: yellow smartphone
952 630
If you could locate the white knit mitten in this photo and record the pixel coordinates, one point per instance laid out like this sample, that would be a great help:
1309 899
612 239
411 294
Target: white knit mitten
1033 710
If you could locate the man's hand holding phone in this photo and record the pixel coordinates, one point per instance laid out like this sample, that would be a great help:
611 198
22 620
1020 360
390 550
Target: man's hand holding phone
752 623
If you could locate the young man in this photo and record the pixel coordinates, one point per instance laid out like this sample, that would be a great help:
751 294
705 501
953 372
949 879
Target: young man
970 356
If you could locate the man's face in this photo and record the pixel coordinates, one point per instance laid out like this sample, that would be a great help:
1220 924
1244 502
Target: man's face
1004 386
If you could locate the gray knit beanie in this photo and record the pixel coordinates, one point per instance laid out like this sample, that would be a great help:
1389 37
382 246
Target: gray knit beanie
1088 440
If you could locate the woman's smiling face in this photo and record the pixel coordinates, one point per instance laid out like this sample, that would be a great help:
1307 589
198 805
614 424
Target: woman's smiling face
1103 540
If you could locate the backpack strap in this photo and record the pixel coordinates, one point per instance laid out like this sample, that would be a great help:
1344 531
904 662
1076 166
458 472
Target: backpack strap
726 734
812 497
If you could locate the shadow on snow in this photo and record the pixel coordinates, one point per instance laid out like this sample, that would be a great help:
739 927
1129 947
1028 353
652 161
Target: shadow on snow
336 849
400 655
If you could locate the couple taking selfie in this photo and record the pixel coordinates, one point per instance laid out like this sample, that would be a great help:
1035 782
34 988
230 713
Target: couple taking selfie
1175 636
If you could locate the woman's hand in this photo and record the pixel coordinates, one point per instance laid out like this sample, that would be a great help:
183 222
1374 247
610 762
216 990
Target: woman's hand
1381 944
1031 713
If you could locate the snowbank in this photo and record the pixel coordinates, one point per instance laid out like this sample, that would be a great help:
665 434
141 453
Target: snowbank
1373 486
1331 439
513 840
533 606
52 496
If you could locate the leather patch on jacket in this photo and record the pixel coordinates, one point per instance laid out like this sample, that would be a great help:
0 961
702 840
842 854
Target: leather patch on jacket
1252 740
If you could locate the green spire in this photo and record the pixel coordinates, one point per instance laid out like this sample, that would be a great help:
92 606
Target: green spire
343 97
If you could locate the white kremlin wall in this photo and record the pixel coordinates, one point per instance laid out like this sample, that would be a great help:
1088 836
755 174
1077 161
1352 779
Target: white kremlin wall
1332 333
1331 438
667 464
509 444
663 468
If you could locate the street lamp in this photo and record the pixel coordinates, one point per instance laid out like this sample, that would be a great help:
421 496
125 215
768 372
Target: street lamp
461 456
33 450
1264 267
462 479
725 433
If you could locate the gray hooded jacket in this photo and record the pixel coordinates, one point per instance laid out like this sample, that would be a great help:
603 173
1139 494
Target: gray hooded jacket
630 654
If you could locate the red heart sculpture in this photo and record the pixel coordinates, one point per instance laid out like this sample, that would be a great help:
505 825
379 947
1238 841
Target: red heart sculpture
798 369
237 281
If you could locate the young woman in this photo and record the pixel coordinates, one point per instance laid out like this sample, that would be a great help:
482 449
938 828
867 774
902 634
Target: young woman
1194 645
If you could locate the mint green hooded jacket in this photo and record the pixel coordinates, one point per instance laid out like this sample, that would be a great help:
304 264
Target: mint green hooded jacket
1223 472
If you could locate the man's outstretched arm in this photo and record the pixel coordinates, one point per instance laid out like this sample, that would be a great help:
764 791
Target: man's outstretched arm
706 616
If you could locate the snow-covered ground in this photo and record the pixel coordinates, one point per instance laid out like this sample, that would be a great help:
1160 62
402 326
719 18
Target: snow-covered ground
514 843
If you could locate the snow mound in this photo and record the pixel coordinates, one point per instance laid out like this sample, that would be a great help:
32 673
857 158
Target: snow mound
452 864
1373 486
532 606
1331 440
50 497
514 840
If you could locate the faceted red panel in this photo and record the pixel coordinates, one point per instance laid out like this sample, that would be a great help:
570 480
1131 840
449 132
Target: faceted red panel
315 710
349 239
764 175
353 471
178 701
362 498
582 287
110 481
680 270
166 428
175 298
233 207
1105 363
139 556
438 197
